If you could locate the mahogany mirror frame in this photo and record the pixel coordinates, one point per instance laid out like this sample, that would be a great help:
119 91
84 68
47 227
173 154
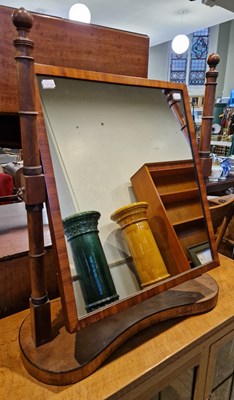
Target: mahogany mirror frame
71 318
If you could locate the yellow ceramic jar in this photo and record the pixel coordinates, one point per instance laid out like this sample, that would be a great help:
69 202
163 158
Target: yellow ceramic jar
145 253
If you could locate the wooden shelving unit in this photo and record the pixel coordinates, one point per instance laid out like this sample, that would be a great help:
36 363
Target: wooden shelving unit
175 212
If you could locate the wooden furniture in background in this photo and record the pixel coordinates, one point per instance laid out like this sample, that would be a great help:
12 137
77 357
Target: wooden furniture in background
70 44
222 208
15 288
219 188
221 215
148 363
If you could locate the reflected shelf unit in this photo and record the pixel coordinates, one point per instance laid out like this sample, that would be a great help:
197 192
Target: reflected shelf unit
175 213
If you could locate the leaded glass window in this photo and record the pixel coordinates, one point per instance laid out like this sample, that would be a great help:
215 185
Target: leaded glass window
190 67
178 67
198 57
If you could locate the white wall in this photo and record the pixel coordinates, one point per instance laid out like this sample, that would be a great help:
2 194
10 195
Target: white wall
222 50
229 78
158 61
100 135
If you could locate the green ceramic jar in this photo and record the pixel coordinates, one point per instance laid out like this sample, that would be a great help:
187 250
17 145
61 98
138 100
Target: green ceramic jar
94 275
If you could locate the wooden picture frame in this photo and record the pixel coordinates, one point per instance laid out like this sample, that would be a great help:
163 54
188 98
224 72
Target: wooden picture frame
200 254
196 101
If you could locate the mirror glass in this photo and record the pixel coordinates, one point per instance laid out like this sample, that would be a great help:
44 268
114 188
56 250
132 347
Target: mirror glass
100 134
13 214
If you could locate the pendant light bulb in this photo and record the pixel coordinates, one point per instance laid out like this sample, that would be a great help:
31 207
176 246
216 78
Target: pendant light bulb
80 12
180 44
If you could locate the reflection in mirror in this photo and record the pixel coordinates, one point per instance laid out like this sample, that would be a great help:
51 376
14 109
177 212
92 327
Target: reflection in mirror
12 210
100 135
11 169
13 214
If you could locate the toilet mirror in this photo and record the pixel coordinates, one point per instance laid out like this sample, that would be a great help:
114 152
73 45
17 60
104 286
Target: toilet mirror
99 130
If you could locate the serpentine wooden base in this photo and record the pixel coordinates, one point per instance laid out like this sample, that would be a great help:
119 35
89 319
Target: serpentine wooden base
69 358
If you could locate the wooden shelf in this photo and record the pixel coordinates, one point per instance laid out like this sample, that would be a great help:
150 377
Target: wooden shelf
188 221
184 210
197 233
175 181
172 197
160 169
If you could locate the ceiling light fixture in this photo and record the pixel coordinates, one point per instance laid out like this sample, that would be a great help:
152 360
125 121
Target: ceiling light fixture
180 43
80 12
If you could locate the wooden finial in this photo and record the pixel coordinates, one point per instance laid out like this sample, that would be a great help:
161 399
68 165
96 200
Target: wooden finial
22 19
23 22
213 61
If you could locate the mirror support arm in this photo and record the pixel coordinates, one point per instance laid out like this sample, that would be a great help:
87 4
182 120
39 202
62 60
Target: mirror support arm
176 108
33 179
207 116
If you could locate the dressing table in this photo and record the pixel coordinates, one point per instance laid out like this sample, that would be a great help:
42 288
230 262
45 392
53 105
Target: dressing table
144 365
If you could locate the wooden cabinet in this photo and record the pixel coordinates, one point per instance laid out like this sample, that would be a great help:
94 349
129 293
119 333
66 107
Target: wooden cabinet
175 212
220 376
15 288
207 376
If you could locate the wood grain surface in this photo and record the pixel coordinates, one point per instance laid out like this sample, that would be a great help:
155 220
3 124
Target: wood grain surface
65 43
147 354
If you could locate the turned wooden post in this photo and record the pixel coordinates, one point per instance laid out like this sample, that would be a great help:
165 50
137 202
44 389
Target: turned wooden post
208 114
175 106
33 180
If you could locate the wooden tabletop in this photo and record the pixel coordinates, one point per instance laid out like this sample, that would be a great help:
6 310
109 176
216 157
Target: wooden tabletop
136 358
